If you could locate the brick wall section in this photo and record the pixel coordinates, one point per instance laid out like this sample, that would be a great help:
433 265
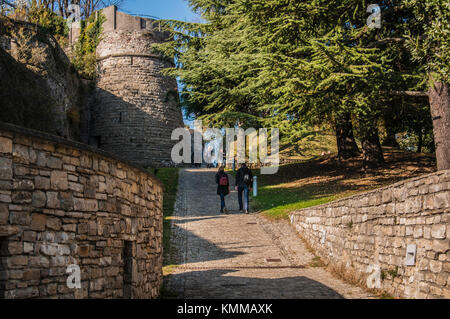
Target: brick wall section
372 230
63 203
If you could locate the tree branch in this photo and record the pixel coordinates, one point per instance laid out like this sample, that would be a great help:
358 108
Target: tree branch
408 93
387 40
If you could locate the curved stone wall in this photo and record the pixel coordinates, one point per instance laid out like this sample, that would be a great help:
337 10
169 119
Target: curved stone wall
136 107
371 235
64 203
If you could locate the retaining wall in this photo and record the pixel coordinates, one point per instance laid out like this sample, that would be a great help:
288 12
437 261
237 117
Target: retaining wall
64 203
368 235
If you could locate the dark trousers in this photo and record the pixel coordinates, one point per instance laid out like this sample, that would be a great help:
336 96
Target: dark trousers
222 202
243 205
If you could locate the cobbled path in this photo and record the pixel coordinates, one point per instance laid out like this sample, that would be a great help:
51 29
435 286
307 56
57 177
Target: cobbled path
234 256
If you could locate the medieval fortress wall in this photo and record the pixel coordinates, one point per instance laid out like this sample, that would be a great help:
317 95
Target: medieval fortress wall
64 203
395 238
135 108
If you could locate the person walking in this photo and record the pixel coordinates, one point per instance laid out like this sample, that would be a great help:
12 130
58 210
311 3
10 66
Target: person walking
244 180
223 188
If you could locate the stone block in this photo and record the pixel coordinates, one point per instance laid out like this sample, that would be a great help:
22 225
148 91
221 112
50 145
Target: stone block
39 261
15 247
438 231
85 205
17 261
39 199
28 247
21 197
42 183
38 222
4 213
5 145
21 154
435 266
442 200
59 181
32 274
66 200
6 171
54 162
441 246
53 223
53 200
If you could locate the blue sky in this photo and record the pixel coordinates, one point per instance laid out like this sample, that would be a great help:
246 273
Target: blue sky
164 9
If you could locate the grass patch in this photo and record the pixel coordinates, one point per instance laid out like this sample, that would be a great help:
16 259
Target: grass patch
169 178
322 180
316 262
276 200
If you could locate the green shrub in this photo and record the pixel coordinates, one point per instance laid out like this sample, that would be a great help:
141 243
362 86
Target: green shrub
85 49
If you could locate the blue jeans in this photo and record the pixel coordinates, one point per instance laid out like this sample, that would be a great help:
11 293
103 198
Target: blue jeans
222 202
245 190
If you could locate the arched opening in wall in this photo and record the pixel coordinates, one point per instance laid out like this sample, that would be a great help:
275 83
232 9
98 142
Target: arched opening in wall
127 269
3 266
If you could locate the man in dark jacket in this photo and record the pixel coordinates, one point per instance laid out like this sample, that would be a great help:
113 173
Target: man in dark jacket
244 180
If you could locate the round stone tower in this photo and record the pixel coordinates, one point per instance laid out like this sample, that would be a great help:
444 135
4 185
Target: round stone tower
136 107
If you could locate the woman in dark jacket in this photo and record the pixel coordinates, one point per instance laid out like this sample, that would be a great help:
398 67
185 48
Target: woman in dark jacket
223 188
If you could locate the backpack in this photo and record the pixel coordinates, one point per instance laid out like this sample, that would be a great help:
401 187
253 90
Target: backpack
247 179
223 181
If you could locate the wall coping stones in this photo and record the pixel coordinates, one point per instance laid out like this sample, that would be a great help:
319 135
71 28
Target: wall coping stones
80 146
371 192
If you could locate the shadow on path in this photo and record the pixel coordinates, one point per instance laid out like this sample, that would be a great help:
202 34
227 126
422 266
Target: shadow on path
236 284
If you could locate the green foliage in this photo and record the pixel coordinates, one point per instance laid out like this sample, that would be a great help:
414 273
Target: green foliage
287 62
48 20
431 46
85 49
169 178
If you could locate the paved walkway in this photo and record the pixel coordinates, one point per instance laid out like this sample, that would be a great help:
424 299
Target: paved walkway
237 255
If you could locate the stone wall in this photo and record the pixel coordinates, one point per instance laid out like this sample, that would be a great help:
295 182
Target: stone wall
64 203
367 235
46 77
135 108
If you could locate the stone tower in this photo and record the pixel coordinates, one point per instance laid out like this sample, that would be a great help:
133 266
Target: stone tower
135 108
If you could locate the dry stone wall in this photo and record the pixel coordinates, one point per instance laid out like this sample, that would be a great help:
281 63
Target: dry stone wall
368 236
64 203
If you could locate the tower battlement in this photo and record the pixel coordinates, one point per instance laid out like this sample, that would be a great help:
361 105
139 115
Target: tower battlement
136 106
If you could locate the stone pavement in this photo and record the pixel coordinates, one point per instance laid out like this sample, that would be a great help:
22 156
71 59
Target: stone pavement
240 256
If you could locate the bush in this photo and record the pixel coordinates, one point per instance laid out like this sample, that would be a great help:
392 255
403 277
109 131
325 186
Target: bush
85 49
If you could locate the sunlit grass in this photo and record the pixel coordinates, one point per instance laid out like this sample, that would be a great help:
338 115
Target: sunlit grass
169 178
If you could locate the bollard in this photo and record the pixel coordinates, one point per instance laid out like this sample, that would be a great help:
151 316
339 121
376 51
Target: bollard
255 186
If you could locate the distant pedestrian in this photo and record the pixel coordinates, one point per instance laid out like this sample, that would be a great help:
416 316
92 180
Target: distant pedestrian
223 188
244 180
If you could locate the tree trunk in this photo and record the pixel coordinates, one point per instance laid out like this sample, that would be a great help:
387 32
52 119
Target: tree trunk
440 113
346 144
371 146
420 142
390 140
